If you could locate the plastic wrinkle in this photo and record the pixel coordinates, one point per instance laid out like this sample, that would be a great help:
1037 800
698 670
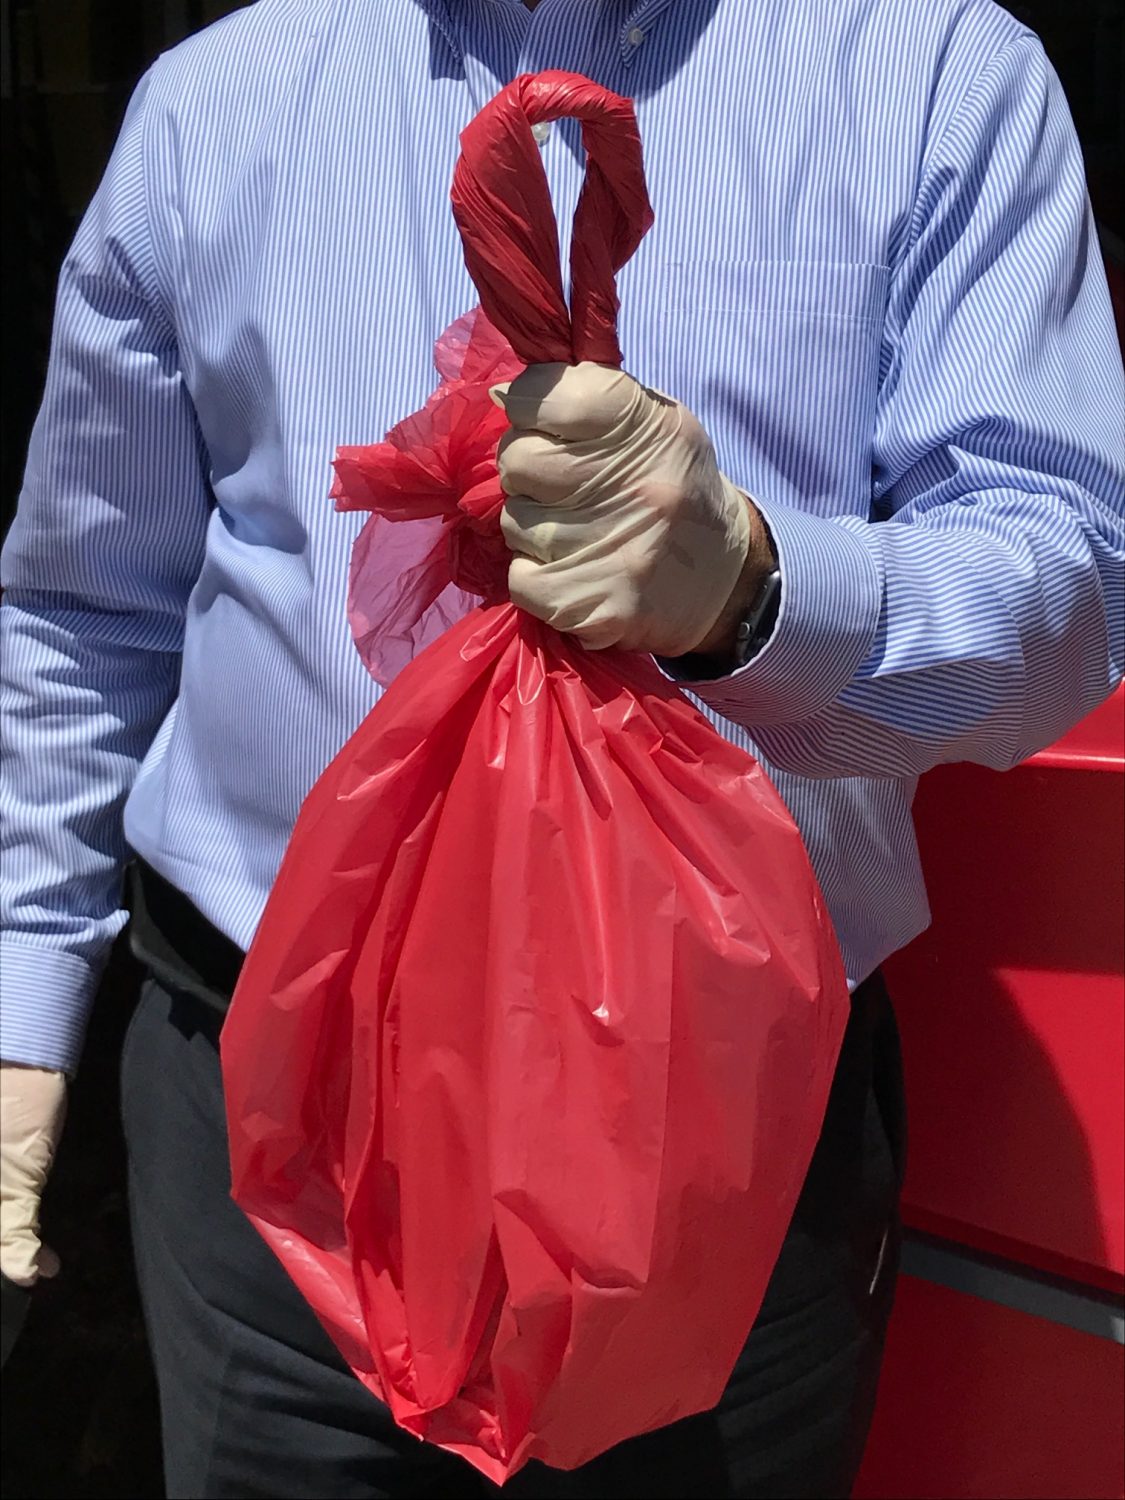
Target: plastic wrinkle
531 1051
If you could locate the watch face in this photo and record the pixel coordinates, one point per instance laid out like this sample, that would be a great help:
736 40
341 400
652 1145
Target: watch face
756 626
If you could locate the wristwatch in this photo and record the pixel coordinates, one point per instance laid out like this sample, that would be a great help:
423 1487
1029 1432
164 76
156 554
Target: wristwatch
751 634
756 625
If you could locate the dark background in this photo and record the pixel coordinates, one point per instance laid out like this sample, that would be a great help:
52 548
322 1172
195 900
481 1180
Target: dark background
79 1402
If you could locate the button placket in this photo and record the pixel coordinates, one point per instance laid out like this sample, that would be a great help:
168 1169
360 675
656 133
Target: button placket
638 27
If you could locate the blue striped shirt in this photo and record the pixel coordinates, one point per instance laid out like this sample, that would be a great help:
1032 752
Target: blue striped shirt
873 276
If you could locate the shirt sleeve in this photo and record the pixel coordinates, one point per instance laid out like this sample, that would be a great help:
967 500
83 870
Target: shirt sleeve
980 612
103 552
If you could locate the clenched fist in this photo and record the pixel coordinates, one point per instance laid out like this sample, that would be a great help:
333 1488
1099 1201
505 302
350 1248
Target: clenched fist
32 1110
625 533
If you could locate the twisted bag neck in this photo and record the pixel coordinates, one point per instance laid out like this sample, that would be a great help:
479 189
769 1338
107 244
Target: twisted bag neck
502 206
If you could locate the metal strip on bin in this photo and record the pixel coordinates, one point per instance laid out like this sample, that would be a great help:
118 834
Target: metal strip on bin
992 1280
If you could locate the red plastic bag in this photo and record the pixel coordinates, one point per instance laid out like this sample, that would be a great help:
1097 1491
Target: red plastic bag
530 1053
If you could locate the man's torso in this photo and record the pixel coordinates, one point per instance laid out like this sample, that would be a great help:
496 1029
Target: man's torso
300 214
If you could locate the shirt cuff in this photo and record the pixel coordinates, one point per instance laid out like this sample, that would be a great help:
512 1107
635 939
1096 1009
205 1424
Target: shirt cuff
831 600
45 1003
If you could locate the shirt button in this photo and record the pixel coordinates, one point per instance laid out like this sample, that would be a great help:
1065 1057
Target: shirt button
541 131
636 36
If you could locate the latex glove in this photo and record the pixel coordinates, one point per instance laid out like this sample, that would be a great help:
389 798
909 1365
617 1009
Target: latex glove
32 1110
624 531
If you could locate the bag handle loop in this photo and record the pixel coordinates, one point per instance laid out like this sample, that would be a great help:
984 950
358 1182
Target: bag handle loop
502 206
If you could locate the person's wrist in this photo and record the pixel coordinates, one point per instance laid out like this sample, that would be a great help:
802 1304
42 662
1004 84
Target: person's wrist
761 560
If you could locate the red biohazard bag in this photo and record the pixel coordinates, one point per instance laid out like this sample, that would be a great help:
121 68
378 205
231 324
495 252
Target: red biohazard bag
531 1050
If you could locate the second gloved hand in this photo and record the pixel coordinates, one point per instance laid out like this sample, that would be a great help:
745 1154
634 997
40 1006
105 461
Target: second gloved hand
625 533
32 1110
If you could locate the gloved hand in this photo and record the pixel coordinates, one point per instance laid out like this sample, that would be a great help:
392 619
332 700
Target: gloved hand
624 531
32 1110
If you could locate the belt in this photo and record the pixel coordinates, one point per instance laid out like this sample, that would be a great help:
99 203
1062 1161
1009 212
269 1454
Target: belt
177 944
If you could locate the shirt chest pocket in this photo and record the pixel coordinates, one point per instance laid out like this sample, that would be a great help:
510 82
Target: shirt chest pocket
780 361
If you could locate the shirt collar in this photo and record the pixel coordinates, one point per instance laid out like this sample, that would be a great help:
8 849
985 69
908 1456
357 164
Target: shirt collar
635 29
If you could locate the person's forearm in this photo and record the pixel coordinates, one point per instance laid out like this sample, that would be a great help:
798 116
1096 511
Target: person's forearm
980 633
79 711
